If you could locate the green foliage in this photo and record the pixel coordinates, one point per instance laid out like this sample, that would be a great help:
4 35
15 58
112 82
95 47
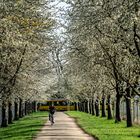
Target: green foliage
25 128
105 129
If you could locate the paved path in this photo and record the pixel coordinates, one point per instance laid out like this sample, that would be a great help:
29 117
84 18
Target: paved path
63 129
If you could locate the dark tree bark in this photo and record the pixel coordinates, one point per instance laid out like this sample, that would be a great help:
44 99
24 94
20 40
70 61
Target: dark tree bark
118 99
128 107
10 114
35 106
86 106
117 115
75 106
93 107
79 106
109 112
30 108
103 106
83 107
16 111
97 102
4 118
20 109
90 106
25 108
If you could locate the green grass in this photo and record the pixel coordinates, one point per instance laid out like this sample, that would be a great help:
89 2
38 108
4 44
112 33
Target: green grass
105 129
25 128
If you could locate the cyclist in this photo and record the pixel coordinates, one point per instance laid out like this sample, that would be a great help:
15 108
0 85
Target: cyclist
51 113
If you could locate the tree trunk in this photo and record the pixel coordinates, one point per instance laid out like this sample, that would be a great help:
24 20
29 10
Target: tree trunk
86 106
31 107
4 118
25 108
35 106
90 106
118 99
103 106
97 107
93 107
79 108
28 108
83 107
10 114
75 106
128 107
109 108
16 111
117 117
20 109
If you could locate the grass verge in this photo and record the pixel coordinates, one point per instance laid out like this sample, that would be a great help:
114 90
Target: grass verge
25 128
105 129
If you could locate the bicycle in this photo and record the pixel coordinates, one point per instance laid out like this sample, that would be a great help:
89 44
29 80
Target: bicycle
51 118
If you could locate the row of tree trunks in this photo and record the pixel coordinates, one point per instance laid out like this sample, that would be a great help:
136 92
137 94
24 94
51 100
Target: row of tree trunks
93 108
20 109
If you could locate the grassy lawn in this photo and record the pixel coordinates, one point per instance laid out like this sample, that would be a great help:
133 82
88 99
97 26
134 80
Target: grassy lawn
105 129
25 128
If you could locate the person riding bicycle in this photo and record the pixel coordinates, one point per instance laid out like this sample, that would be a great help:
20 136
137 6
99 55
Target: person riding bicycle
51 113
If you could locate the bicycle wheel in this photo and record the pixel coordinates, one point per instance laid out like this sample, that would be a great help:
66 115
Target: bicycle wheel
51 119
